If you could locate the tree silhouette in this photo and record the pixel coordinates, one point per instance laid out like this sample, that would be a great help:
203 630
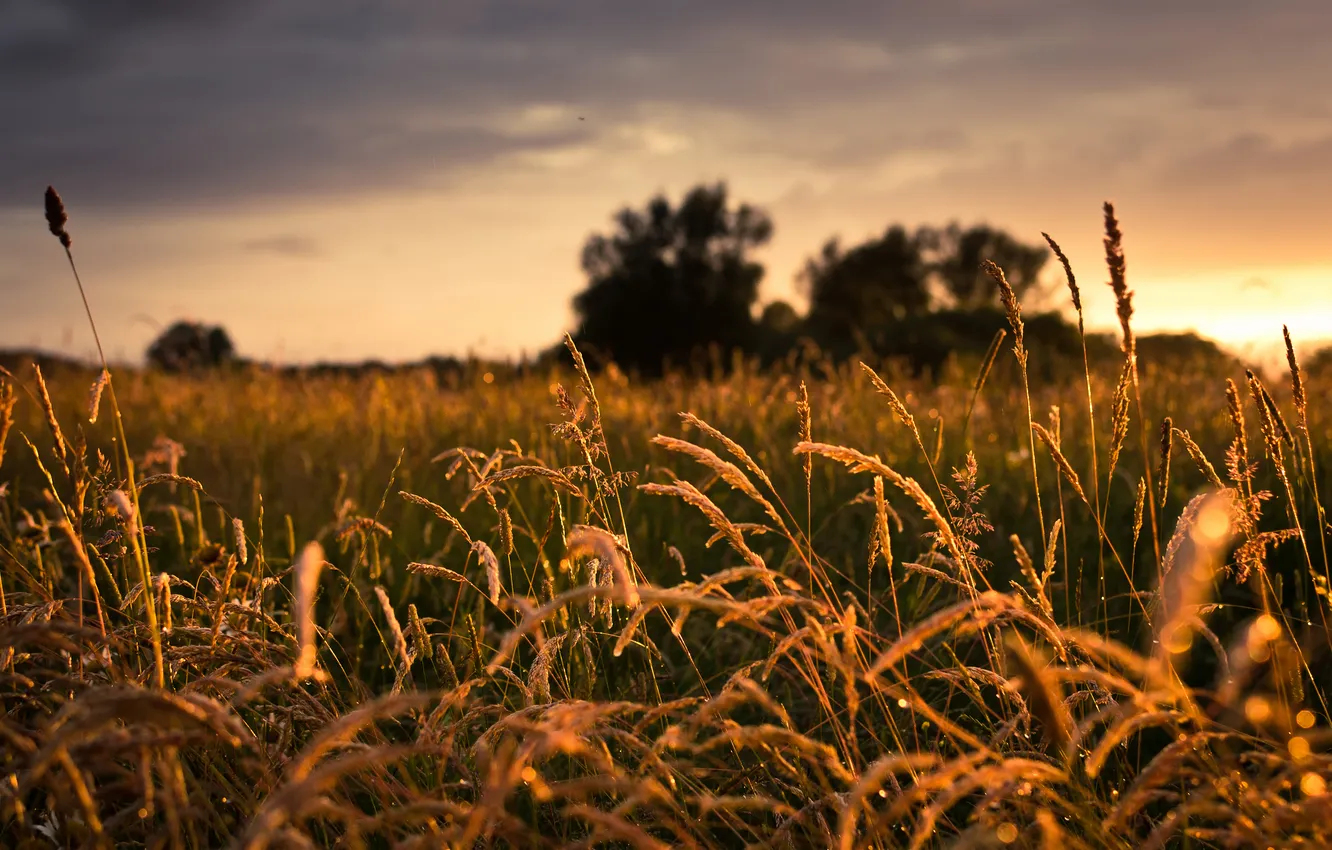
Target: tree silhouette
876 293
955 256
669 282
189 345
779 317
854 293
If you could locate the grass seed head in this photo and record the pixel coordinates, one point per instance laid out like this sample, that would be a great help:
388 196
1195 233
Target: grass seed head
588 540
307 570
395 629
56 217
8 400
238 529
1296 382
1068 274
1189 564
488 560
1114 259
95 395
1043 695
124 507
1011 306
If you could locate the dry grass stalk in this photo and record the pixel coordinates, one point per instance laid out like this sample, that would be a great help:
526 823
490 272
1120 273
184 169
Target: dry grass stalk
420 639
1298 396
513 473
306 572
1119 416
1039 581
95 395
56 217
586 540
164 588
169 478
44 397
731 446
1062 462
1012 309
395 629
238 529
1125 729
1273 424
1138 505
1241 442
915 638
436 571
727 471
1190 562
806 432
1068 275
8 400
1200 459
488 560
506 532
1167 442
439 512
86 568
223 591
858 462
1114 260
1164 768
538 676
871 782
894 403
882 536
626 635
361 525
1044 698
690 494
125 510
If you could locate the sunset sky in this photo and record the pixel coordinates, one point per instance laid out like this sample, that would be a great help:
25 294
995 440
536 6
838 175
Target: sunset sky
341 180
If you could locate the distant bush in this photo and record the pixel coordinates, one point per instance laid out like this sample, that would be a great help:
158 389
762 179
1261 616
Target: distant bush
189 346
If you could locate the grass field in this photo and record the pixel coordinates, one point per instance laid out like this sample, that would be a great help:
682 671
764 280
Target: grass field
819 606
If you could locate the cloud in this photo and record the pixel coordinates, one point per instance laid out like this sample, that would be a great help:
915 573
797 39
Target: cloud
139 103
291 245
1258 157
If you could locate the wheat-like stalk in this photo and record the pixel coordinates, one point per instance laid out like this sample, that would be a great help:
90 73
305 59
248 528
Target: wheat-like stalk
306 572
1191 560
585 540
95 395
238 530
494 587
8 400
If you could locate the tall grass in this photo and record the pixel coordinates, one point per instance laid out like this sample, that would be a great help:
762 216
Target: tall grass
320 616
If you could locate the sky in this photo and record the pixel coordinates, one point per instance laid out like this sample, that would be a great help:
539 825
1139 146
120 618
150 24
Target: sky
341 179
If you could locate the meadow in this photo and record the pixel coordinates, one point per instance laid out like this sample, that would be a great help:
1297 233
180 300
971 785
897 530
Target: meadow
823 605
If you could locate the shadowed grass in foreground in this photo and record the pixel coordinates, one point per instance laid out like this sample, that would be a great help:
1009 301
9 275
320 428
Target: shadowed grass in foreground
829 608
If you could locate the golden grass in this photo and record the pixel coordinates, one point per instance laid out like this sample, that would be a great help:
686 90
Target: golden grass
222 664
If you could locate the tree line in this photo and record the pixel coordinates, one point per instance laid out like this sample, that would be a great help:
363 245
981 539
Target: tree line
672 281
675 285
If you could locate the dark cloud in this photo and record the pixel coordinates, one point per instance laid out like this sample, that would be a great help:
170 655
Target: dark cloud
1256 157
129 102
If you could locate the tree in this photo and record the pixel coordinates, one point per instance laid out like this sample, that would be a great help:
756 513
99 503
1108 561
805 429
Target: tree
875 293
858 292
955 256
669 281
186 346
779 317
